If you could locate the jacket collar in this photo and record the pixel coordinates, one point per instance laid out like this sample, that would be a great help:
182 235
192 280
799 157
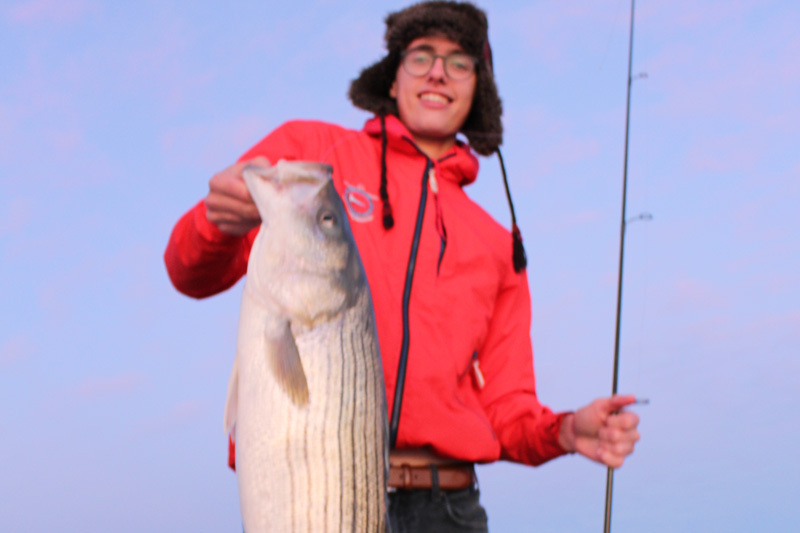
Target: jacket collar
458 165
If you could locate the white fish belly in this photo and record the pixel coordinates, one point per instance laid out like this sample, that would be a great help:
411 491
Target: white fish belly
320 467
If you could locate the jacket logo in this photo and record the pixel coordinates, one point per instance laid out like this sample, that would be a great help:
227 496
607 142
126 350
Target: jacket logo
360 204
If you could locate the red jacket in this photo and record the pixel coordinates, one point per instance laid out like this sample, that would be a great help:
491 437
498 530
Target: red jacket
469 390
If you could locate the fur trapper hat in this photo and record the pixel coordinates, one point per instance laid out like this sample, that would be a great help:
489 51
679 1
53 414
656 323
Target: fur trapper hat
460 22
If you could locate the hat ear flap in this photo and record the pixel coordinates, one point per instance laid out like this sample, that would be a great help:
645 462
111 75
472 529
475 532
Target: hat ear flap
371 90
484 127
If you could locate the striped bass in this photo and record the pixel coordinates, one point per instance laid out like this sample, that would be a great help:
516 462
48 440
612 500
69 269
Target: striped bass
306 403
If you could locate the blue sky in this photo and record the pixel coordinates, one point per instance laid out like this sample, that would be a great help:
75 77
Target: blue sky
113 116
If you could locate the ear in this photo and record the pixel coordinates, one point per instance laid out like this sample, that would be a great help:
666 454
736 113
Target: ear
393 90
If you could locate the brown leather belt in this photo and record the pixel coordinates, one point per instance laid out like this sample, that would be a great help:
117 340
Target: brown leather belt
451 477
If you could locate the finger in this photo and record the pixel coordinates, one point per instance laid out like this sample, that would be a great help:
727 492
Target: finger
608 435
236 229
613 436
232 223
612 459
623 420
615 403
221 217
620 442
259 160
219 205
609 458
613 454
621 449
230 183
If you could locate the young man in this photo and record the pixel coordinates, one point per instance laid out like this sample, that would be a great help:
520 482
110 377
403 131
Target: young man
452 305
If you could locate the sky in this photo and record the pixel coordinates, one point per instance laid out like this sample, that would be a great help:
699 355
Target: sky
114 115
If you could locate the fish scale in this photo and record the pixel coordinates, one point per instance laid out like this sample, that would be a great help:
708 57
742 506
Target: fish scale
318 465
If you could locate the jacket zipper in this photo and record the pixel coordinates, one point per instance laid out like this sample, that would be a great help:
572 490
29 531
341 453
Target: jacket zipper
412 261
397 405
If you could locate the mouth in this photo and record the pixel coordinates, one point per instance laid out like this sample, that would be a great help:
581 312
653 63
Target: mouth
435 98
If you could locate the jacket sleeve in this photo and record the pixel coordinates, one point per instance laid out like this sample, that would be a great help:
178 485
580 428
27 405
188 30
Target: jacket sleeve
201 260
526 429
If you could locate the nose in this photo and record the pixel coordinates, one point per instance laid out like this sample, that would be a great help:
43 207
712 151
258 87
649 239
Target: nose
437 69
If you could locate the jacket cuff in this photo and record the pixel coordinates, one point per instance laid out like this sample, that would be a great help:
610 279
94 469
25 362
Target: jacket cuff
557 423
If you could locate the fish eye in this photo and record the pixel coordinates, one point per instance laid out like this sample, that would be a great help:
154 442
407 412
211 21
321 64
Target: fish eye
327 219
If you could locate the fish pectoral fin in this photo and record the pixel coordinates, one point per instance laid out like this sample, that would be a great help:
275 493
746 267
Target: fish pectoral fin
286 365
232 401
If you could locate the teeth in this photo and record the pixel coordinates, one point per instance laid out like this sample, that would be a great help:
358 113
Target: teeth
431 97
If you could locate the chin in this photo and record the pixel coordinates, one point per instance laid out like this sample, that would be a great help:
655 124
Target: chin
436 131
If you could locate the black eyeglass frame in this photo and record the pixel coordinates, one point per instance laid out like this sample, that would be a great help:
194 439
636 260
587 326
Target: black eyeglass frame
434 57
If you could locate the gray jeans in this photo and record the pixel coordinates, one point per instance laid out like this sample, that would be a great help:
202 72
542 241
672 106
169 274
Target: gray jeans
437 511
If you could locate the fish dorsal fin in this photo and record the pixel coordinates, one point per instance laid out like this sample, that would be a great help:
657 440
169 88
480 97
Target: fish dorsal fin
284 360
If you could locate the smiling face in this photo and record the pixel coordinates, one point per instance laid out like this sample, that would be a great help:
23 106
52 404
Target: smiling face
433 107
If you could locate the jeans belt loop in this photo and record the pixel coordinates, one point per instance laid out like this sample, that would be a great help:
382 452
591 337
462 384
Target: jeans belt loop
435 492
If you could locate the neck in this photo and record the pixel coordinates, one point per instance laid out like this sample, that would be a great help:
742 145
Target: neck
434 148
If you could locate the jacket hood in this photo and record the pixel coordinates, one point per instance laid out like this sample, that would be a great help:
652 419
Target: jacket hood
459 165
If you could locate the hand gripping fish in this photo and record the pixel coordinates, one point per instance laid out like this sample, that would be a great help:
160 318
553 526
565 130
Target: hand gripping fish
306 403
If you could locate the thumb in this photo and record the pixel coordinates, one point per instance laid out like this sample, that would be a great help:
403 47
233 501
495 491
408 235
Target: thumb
615 403
258 160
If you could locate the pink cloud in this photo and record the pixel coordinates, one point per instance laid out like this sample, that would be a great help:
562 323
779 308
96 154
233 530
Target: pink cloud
724 153
552 34
696 295
699 15
199 144
773 333
17 348
177 415
16 216
562 150
568 221
783 283
716 59
36 11
780 328
8 127
98 387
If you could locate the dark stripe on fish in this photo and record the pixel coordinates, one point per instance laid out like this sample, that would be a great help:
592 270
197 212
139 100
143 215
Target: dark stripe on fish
324 452
289 463
307 467
339 431
353 434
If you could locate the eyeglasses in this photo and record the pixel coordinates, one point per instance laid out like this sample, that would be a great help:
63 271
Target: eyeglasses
457 65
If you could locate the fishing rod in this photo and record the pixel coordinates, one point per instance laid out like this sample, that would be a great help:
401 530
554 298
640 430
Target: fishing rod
610 471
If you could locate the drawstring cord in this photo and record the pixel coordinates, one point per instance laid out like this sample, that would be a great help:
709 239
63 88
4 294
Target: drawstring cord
518 251
518 255
434 183
388 217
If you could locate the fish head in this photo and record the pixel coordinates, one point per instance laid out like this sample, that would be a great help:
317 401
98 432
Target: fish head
304 259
